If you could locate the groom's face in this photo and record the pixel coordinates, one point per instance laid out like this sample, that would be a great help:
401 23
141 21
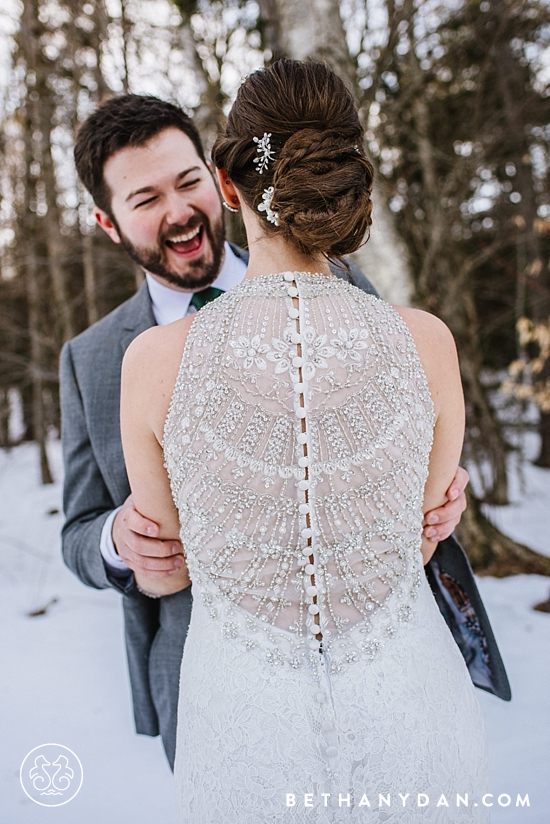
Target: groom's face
166 211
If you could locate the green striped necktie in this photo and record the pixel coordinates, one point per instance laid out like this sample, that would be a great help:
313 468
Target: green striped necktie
205 296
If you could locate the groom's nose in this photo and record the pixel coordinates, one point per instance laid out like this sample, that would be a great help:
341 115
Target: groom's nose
177 210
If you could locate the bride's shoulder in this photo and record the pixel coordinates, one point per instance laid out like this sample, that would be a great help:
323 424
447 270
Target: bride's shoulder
429 332
154 356
149 372
423 323
436 349
159 343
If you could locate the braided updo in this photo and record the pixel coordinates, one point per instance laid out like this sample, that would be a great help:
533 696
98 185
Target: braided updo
321 178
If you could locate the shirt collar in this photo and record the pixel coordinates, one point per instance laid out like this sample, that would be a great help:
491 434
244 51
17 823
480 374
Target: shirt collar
169 305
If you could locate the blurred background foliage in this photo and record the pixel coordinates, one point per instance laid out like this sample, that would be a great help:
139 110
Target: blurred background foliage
455 100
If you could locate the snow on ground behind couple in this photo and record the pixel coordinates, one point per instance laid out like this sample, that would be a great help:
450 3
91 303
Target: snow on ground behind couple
64 676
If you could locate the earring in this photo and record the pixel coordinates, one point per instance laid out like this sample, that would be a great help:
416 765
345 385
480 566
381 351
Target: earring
228 207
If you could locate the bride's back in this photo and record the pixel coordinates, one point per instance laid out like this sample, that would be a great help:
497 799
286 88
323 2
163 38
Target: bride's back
297 444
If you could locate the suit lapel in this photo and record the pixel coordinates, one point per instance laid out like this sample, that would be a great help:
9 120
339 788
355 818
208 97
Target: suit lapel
136 318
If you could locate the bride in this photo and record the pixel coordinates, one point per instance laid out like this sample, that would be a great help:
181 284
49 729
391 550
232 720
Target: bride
293 432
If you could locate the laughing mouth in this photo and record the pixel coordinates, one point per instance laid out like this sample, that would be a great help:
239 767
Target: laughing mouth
186 242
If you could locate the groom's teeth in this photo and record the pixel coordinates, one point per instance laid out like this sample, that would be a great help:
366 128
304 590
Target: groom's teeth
185 237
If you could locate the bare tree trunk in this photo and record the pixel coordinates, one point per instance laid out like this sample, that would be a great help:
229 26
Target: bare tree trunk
41 112
99 34
4 418
77 39
29 45
39 428
212 98
384 259
126 31
55 248
269 26
36 366
313 29
543 458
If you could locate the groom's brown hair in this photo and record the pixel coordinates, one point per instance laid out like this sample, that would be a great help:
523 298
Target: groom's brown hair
126 120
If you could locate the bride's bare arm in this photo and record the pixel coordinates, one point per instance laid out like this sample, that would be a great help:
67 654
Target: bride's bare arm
437 351
149 372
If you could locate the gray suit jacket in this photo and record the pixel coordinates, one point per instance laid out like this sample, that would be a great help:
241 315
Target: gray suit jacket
96 483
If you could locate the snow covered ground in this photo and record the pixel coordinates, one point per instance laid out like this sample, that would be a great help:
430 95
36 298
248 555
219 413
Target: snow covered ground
527 519
63 674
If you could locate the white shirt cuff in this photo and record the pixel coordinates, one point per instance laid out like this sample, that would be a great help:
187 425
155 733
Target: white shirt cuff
107 546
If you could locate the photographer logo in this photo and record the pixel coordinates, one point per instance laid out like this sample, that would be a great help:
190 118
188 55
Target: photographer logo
51 775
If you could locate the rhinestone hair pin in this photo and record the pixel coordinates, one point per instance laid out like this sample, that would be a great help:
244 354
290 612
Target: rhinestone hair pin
265 206
265 151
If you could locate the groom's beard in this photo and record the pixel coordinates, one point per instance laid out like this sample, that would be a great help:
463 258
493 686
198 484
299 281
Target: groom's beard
201 272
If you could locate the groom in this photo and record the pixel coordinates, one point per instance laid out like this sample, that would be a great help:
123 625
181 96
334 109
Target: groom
142 161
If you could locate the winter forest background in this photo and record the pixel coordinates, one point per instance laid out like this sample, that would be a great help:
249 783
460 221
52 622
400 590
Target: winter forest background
455 99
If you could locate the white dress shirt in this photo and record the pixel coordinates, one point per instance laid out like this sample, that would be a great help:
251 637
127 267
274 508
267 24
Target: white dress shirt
168 306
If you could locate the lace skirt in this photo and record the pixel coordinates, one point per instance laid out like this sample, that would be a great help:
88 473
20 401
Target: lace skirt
398 739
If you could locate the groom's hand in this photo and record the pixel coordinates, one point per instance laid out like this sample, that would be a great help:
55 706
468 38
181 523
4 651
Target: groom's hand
135 541
441 522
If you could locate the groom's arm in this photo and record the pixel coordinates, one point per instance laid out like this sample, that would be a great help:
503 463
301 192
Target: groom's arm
102 544
86 500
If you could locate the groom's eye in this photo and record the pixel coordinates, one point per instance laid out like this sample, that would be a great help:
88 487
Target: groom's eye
145 202
189 183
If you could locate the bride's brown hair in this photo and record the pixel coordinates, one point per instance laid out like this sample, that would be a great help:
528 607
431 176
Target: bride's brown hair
321 177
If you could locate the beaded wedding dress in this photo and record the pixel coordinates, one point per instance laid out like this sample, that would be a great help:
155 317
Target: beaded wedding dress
317 661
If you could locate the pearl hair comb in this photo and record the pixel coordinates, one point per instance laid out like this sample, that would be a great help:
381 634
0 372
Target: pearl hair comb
265 206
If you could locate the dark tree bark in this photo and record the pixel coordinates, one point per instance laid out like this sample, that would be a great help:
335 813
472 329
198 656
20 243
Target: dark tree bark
40 106
4 418
29 228
543 458
36 374
544 606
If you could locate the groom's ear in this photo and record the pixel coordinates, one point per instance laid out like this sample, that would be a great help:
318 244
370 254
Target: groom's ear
106 224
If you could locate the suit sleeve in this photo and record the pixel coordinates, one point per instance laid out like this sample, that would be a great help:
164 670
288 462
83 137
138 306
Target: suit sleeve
360 280
86 499
354 275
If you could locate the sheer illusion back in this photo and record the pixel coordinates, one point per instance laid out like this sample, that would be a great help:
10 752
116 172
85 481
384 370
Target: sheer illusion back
297 444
